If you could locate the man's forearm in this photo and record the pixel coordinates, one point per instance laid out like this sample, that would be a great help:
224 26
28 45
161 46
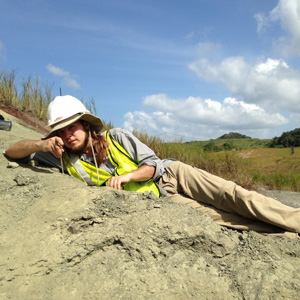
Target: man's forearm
26 147
143 173
22 149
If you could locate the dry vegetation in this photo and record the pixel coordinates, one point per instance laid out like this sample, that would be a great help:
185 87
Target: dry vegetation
275 168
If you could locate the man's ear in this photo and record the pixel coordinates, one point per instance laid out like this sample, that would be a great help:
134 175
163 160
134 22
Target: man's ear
86 125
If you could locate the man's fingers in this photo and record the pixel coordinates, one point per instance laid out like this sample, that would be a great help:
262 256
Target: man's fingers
56 146
114 183
58 142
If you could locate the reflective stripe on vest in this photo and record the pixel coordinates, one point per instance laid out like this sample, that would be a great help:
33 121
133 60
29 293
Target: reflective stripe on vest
119 158
81 172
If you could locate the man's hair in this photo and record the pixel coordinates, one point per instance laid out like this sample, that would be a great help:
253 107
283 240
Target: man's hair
100 145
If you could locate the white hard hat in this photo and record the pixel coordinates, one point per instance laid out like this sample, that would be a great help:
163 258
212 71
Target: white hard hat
65 110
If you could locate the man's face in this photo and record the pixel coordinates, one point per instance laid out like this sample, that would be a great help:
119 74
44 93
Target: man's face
74 136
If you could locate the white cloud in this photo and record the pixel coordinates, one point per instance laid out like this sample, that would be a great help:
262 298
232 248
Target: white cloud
287 13
262 22
67 80
198 119
259 91
57 71
271 84
71 82
271 65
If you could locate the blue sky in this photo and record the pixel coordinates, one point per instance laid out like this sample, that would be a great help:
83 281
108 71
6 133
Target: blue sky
189 70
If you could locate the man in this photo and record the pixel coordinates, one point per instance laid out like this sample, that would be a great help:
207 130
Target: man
117 159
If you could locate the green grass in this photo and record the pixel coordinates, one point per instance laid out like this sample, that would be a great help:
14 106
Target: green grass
275 168
236 144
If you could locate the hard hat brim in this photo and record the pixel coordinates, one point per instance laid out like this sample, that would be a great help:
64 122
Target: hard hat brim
96 123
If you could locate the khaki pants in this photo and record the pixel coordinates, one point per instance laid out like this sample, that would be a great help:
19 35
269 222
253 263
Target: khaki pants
229 204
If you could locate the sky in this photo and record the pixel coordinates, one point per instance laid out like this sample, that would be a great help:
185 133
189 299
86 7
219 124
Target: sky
177 69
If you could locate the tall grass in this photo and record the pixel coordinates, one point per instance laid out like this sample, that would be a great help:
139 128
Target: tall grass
278 181
227 164
91 106
223 164
33 98
8 90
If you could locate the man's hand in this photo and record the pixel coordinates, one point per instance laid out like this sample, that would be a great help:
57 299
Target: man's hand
26 147
53 145
143 173
117 182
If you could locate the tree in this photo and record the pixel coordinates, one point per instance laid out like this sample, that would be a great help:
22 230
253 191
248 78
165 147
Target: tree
287 139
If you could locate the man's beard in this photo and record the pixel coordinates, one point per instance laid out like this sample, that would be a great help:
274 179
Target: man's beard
80 149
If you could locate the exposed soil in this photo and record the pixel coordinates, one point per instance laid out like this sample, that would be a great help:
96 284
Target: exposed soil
61 239
26 119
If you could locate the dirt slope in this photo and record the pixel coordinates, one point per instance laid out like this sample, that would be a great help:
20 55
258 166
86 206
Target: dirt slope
60 239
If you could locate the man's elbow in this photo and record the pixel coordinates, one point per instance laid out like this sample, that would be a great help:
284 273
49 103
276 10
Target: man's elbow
8 153
13 154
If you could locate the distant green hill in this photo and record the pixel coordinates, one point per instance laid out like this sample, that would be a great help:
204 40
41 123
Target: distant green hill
236 141
231 144
234 135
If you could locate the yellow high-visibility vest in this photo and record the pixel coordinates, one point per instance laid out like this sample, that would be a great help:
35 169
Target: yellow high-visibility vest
119 158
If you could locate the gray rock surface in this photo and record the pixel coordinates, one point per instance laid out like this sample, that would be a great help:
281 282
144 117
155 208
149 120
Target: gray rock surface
60 239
